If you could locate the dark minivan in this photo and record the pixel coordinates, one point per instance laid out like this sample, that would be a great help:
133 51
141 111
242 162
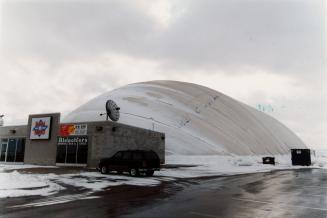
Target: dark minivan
133 161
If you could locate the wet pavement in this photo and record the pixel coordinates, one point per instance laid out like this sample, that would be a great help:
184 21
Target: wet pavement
291 193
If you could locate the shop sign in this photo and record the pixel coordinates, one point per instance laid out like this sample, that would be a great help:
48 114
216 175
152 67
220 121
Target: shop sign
73 129
40 128
73 140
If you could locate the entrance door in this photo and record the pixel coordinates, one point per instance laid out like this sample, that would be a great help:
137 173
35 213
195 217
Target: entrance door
71 154
61 153
81 154
3 152
20 150
12 150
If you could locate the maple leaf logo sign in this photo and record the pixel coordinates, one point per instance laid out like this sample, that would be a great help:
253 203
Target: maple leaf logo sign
40 128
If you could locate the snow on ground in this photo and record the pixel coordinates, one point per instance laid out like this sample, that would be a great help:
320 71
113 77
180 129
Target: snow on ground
13 183
7 166
97 182
321 158
215 165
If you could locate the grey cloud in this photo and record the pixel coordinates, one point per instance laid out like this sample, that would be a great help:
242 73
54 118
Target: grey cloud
282 36
71 30
278 36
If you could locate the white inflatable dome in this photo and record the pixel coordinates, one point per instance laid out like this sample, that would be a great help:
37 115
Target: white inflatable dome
196 119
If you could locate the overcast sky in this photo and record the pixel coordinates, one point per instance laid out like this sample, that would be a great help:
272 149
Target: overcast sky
56 55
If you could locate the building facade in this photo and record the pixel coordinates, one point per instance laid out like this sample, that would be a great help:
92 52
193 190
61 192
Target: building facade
46 141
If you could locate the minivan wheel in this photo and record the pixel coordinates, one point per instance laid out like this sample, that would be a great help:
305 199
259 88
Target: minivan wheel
104 170
133 172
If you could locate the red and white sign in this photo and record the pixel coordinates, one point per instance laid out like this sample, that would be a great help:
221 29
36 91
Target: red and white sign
73 129
40 128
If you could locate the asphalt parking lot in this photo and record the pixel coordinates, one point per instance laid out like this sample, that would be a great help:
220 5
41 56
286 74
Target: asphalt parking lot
289 193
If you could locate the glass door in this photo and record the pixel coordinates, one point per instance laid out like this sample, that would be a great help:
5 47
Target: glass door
20 150
71 154
3 152
81 155
61 153
12 150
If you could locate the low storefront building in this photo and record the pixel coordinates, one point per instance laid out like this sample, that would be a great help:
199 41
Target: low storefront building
46 141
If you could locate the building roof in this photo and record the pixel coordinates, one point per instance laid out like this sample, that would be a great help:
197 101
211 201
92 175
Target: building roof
195 119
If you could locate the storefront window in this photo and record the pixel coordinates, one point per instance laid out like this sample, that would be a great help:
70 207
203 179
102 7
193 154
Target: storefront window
72 150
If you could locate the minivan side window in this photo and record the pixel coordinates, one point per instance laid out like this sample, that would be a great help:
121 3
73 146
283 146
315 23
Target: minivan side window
137 156
118 155
126 155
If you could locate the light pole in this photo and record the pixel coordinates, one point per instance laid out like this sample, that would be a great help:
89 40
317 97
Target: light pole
1 119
